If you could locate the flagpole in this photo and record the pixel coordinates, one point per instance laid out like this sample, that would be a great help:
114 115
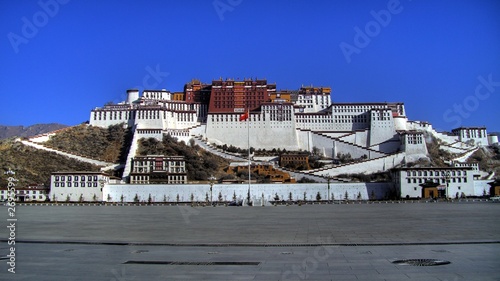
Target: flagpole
248 140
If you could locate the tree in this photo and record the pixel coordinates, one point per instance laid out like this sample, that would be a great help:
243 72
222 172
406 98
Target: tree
206 197
67 198
234 195
318 196
276 197
81 198
248 198
192 197
164 198
359 195
177 198
220 197
315 150
290 197
109 198
150 199
305 196
346 195
136 198
94 198
121 198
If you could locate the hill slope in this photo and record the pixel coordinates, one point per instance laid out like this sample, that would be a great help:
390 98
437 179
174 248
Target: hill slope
34 166
108 144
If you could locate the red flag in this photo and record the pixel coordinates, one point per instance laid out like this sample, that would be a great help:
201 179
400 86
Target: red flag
244 117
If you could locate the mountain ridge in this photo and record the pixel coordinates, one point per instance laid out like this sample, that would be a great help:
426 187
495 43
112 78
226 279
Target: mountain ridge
28 131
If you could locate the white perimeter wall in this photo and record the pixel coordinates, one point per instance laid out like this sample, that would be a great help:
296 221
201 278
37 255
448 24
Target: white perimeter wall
482 187
199 191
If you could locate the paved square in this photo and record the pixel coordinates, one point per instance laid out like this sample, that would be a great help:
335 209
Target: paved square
313 242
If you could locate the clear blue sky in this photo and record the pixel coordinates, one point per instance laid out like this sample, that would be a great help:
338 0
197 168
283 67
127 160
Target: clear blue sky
58 61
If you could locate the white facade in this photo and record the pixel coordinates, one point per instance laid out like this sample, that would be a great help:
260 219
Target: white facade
477 135
30 193
200 192
451 181
158 169
77 186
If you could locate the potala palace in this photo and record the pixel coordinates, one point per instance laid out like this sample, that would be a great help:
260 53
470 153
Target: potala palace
252 113
381 133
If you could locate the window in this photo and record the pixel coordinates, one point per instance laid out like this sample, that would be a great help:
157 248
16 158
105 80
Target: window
82 178
89 184
76 184
57 184
69 184
69 178
63 178
62 184
57 178
415 188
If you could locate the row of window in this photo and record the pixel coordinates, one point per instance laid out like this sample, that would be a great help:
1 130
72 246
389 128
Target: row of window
70 178
414 139
422 180
146 178
363 108
435 173
33 197
22 191
75 184
158 168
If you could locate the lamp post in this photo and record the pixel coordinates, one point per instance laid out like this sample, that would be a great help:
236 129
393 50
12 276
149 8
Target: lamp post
211 179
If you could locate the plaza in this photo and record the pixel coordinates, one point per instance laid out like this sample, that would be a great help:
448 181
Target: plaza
357 241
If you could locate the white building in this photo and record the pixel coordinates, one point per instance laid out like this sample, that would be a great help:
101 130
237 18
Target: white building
476 135
306 120
30 193
78 186
450 182
158 169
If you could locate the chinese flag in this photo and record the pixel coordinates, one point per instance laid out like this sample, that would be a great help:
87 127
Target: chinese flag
244 117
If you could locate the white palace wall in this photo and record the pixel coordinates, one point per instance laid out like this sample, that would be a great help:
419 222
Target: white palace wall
200 191
264 133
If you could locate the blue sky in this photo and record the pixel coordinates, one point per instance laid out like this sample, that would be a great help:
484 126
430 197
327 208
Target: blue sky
61 58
